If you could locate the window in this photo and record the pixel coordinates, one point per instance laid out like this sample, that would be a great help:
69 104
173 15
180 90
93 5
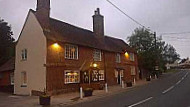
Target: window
101 75
95 75
97 55
133 70
24 54
118 59
71 76
132 57
121 73
12 78
71 52
23 79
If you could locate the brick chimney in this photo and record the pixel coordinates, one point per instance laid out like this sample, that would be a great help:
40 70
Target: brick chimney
98 23
43 12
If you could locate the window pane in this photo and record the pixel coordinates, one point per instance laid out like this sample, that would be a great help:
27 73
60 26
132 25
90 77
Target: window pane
71 76
71 52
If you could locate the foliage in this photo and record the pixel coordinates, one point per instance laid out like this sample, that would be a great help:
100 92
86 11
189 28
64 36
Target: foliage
151 53
6 42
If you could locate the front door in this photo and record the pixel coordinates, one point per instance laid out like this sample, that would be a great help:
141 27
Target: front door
119 76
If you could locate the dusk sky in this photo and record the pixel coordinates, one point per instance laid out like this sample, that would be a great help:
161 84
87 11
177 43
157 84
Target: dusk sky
162 16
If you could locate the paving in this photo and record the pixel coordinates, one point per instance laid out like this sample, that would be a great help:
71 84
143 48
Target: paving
8 100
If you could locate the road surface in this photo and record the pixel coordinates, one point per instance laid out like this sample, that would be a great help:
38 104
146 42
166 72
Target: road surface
171 90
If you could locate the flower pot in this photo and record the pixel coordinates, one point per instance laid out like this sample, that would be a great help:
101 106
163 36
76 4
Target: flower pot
148 79
88 92
129 84
44 100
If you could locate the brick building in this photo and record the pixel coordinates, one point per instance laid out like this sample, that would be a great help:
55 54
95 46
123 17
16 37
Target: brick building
60 57
7 76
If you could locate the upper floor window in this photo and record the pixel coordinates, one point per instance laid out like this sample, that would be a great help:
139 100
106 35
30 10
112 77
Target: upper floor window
118 58
24 54
132 58
97 55
71 52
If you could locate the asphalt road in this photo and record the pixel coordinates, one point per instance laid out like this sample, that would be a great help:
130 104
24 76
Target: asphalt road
171 90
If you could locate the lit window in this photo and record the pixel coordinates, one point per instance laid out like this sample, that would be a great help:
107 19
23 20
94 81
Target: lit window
121 73
118 59
71 52
131 55
95 75
97 55
101 75
71 76
12 78
24 54
23 79
133 70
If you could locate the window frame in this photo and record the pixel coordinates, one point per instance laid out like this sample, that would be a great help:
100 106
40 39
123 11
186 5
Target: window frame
24 54
69 54
12 78
23 79
133 70
132 56
101 78
118 58
71 71
99 57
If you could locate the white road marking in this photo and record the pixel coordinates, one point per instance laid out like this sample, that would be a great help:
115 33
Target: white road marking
178 82
168 89
140 102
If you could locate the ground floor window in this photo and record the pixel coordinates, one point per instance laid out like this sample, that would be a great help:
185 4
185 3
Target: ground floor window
101 75
133 70
12 78
94 75
23 79
72 76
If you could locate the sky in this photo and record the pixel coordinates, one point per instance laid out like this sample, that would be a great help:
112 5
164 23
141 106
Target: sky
161 16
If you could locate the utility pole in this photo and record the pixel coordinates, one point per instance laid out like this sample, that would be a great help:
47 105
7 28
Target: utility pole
156 59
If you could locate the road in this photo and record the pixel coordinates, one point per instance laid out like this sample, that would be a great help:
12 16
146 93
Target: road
171 90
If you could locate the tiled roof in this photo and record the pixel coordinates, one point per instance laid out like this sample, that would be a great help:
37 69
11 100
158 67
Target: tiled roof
64 32
9 65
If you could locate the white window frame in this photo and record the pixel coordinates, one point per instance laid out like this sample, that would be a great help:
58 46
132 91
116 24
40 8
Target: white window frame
68 51
133 70
67 81
12 78
132 57
101 75
23 81
24 53
118 57
97 55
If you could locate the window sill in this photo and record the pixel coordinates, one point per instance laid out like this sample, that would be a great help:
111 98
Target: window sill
23 86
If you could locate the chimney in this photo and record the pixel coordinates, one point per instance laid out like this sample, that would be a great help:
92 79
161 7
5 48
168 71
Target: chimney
43 12
98 23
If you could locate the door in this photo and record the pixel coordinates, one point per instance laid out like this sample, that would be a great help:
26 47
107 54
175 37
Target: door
119 76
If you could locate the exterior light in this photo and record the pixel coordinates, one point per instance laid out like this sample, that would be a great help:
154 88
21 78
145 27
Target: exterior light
126 55
95 65
55 45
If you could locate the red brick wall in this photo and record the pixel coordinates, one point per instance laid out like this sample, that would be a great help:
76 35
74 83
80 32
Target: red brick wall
5 80
56 64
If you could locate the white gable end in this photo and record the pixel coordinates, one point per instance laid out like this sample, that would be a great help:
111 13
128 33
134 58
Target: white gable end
33 40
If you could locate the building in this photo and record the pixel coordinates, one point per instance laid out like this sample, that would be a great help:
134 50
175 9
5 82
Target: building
7 76
59 57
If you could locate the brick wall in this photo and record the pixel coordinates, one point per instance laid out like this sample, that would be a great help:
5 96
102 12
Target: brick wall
56 64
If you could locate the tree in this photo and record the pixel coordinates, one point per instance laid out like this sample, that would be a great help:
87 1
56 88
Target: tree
151 53
6 42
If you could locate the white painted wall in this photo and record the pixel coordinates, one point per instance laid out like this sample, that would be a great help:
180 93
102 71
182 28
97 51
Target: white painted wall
32 39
